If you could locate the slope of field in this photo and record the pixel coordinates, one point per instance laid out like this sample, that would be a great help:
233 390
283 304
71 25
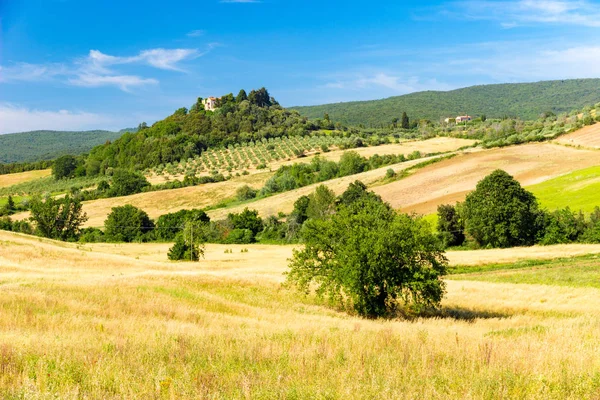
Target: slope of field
578 190
524 100
47 145
588 136
450 180
80 323
21 177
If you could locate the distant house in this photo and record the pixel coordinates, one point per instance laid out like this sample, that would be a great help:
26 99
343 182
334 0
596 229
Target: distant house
210 103
463 118
447 120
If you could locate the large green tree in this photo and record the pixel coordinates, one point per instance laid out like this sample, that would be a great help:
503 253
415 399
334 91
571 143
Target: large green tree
127 224
64 167
57 218
126 182
500 213
370 258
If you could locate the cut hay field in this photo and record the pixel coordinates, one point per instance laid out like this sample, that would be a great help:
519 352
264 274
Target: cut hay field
588 136
21 177
117 323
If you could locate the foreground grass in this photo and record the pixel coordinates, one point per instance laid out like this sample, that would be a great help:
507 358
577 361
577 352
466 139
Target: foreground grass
113 322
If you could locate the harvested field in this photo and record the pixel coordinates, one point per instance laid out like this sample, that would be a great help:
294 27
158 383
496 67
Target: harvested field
13 179
588 136
449 181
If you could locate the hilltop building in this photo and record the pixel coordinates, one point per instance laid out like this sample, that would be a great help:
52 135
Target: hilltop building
463 118
210 103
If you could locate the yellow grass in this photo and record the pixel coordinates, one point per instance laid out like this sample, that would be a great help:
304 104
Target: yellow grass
13 179
102 325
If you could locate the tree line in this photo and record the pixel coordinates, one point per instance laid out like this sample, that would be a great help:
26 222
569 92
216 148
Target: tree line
501 213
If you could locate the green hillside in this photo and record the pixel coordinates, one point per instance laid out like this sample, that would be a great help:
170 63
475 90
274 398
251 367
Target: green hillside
523 100
47 145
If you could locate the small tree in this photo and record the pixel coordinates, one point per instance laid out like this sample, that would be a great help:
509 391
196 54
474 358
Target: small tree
405 121
127 224
370 258
500 213
189 245
321 203
64 167
450 227
57 218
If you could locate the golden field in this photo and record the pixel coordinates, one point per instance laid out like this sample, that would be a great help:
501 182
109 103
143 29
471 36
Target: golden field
119 322
14 179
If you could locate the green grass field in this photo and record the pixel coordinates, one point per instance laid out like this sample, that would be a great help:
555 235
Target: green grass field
569 272
579 190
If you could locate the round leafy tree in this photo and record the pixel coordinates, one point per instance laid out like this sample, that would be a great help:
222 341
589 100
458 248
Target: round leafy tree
127 224
500 213
368 257
64 167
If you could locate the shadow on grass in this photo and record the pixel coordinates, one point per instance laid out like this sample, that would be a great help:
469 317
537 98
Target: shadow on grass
455 313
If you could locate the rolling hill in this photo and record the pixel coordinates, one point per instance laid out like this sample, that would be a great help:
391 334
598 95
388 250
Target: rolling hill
47 145
524 100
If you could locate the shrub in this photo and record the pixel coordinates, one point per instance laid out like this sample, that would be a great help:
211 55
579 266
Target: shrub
500 213
240 236
390 173
125 183
381 259
245 193
127 224
91 235
247 219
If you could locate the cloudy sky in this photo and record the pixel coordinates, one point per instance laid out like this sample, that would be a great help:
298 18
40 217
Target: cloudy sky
91 64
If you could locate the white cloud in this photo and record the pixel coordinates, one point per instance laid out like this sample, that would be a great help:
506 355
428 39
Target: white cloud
98 69
26 72
521 63
393 84
124 82
512 13
196 33
20 119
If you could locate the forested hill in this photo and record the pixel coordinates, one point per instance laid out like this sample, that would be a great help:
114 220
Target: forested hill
187 133
48 145
523 100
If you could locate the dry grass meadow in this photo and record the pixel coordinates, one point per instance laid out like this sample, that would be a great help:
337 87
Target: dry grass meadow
14 179
119 322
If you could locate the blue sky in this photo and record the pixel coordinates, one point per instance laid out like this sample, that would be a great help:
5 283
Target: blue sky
83 64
